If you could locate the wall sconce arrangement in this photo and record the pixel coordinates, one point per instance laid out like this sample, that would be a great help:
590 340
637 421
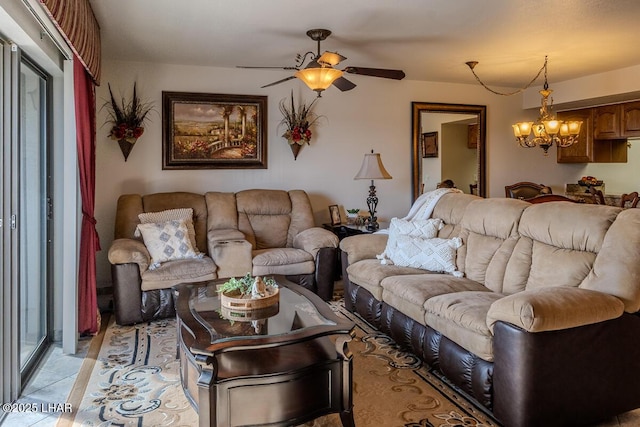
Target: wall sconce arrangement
547 130
372 168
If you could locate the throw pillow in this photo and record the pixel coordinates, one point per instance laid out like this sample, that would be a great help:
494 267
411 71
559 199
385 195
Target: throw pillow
167 241
438 255
185 214
420 228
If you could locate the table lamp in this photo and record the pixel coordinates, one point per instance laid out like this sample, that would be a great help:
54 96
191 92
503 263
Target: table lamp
372 168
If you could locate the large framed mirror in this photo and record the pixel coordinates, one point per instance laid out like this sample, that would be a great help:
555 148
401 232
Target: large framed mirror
449 143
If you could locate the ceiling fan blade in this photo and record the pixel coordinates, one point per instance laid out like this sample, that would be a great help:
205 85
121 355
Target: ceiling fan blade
376 72
279 81
266 68
343 84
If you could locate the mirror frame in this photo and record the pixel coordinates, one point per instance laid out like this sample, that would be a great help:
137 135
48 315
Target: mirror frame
420 107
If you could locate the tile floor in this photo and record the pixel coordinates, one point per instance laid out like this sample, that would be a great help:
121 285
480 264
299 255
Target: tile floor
51 383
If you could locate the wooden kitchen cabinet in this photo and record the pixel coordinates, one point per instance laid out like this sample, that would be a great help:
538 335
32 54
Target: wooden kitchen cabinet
631 119
582 151
607 122
591 149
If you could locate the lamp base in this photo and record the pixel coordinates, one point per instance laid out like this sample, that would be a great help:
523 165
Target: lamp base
372 204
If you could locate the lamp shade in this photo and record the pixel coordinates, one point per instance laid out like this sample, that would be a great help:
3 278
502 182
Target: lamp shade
331 58
372 168
318 78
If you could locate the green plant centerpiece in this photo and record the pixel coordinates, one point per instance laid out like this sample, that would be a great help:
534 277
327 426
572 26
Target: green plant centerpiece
249 293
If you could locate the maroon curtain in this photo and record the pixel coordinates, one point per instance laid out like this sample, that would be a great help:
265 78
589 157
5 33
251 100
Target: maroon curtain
84 93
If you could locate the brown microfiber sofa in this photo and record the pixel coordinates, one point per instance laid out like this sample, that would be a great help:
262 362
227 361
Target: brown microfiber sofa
258 231
542 330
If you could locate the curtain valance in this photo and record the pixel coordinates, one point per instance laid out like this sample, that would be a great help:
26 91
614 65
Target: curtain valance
79 26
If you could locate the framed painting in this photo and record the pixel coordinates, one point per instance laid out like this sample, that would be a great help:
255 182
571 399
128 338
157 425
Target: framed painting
430 144
213 131
472 137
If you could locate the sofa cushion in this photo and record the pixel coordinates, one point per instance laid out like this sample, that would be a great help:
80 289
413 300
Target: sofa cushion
408 293
559 245
489 232
181 271
167 241
462 317
177 199
436 255
272 218
287 261
369 273
450 208
612 272
419 228
184 214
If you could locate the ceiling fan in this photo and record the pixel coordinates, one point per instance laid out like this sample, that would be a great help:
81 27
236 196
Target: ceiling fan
319 73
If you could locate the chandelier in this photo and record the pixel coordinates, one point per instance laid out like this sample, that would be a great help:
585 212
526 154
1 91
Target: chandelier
547 130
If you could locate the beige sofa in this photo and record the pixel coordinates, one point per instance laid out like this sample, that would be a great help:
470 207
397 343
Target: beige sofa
543 329
258 231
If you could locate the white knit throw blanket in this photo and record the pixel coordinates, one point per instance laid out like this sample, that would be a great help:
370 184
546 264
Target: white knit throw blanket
422 208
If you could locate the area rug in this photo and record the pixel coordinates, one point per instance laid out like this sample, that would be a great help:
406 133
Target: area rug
131 378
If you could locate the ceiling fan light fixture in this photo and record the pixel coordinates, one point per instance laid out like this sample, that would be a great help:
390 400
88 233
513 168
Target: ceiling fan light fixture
331 58
318 78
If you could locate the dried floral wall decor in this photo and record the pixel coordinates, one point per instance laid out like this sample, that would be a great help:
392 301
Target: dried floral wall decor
127 120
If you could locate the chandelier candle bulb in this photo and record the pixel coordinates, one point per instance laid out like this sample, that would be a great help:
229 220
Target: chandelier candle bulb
552 127
574 128
522 129
538 130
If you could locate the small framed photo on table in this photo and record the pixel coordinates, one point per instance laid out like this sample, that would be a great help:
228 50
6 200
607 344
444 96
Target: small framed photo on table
334 213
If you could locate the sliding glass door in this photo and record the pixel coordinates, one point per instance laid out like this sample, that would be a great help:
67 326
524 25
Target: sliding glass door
25 215
33 215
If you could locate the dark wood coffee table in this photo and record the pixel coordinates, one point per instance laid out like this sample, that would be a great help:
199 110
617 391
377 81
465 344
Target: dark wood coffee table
290 365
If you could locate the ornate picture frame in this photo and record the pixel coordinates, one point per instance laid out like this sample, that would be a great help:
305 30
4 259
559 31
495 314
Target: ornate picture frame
213 131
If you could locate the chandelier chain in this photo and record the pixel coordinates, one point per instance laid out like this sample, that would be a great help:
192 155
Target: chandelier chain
543 68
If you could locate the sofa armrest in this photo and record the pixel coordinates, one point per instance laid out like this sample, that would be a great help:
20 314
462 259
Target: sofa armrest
315 238
125 251
555 308
363 246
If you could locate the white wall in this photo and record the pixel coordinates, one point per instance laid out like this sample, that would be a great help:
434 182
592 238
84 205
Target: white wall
375 115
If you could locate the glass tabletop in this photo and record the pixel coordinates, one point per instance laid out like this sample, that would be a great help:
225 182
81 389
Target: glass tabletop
293 313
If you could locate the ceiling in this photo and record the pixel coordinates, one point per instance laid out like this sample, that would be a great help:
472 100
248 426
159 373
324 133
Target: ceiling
429 39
